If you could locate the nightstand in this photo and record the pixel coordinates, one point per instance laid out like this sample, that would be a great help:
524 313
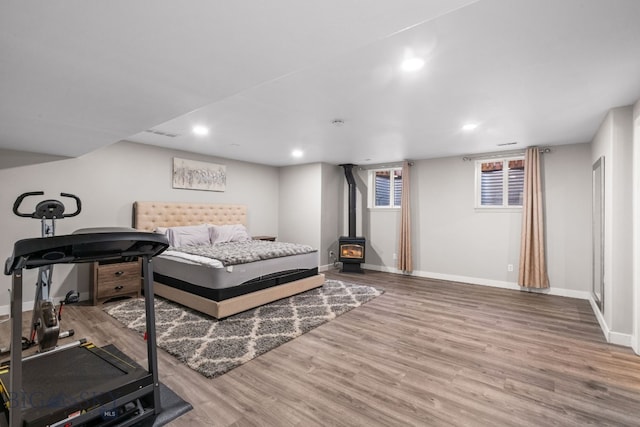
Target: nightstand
269 238
114 280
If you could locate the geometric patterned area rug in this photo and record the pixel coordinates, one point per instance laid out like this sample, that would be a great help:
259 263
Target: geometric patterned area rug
213 347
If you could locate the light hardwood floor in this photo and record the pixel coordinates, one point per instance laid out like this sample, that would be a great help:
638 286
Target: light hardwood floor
426 352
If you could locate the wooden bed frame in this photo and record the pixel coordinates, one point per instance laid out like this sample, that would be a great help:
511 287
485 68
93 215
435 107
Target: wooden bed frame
147 216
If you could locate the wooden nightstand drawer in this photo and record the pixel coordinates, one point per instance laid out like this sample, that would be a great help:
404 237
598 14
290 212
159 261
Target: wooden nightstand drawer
115 280
114 289
119 272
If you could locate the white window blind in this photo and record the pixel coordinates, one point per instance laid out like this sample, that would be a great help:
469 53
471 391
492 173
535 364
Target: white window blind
516 182
382 189
500 183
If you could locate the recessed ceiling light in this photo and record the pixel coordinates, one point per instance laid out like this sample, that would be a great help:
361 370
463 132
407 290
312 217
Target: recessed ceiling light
200 130
469 126
297 153
412 64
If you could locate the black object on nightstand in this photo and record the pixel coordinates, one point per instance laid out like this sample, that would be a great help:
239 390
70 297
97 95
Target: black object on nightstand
269 238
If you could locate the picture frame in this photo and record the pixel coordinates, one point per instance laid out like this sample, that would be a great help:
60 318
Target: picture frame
196 175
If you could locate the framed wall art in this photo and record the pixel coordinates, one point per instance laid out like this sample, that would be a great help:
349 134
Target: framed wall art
195 175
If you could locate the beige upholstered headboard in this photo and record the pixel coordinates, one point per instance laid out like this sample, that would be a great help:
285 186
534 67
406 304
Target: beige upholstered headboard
149 215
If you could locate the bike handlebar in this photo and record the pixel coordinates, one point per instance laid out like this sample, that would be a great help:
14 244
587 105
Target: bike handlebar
19 200
78 204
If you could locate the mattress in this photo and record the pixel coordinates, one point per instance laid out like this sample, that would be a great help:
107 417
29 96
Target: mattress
217 282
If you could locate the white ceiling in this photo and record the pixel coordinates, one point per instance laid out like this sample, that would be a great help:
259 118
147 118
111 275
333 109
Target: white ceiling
268 77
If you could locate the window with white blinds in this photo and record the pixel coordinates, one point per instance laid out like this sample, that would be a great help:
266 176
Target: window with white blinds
499 183
385 188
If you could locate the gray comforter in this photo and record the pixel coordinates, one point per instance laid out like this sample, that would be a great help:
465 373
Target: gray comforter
233 253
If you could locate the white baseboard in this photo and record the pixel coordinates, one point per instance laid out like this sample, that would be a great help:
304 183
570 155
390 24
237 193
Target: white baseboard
620 339
611 337
326 267
28 305
570 293
599 317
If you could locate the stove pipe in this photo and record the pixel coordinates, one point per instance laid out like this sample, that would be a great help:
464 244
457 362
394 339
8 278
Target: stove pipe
352 198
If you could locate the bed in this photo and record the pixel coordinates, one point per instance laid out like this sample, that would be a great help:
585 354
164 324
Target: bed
221 287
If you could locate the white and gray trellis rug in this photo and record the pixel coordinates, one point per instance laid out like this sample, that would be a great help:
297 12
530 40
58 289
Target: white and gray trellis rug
213 347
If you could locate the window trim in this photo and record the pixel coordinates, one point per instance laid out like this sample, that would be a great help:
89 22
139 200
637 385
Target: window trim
505 185
371 204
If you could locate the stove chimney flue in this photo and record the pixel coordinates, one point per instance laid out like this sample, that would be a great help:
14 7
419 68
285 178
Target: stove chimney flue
351 182
351 248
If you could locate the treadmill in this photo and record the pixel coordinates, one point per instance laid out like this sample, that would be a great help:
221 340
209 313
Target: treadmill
80 384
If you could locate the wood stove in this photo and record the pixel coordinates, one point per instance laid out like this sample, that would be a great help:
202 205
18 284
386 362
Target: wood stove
351 249
351 253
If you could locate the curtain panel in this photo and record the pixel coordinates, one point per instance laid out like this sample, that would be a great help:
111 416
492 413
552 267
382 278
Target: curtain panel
405 260
532 269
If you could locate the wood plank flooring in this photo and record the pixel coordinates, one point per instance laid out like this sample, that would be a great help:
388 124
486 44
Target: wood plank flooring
426 352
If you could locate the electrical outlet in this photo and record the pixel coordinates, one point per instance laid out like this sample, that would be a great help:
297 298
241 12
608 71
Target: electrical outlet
395 256
509 267
332 254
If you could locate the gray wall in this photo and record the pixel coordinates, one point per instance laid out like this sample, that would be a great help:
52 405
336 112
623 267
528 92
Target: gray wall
614 141
332 184
310 206
108 181
300 204
451 240
567 175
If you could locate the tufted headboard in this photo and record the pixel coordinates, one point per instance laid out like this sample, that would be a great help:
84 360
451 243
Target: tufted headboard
149 215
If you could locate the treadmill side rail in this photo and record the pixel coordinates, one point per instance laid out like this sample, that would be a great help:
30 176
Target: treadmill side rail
149 298
15 379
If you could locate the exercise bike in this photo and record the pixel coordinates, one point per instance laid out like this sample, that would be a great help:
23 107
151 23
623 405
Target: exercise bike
45 324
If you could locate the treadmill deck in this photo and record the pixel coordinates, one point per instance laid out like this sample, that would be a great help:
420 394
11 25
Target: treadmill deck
63 383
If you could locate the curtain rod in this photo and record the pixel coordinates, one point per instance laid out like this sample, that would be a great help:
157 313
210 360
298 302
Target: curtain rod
544 150
383 165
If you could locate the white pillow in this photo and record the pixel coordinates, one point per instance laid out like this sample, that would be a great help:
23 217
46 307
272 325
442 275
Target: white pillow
228 233
188 235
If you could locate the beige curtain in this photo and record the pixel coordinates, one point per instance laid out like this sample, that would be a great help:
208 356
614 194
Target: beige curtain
405 261
533 269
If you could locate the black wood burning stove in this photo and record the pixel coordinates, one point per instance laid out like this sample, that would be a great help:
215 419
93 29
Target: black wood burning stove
351 249
351 253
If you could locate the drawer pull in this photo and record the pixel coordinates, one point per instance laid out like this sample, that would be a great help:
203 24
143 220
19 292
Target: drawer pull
119 273
118 288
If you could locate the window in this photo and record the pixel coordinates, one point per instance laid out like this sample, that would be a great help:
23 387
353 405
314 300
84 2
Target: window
385 188
499 183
